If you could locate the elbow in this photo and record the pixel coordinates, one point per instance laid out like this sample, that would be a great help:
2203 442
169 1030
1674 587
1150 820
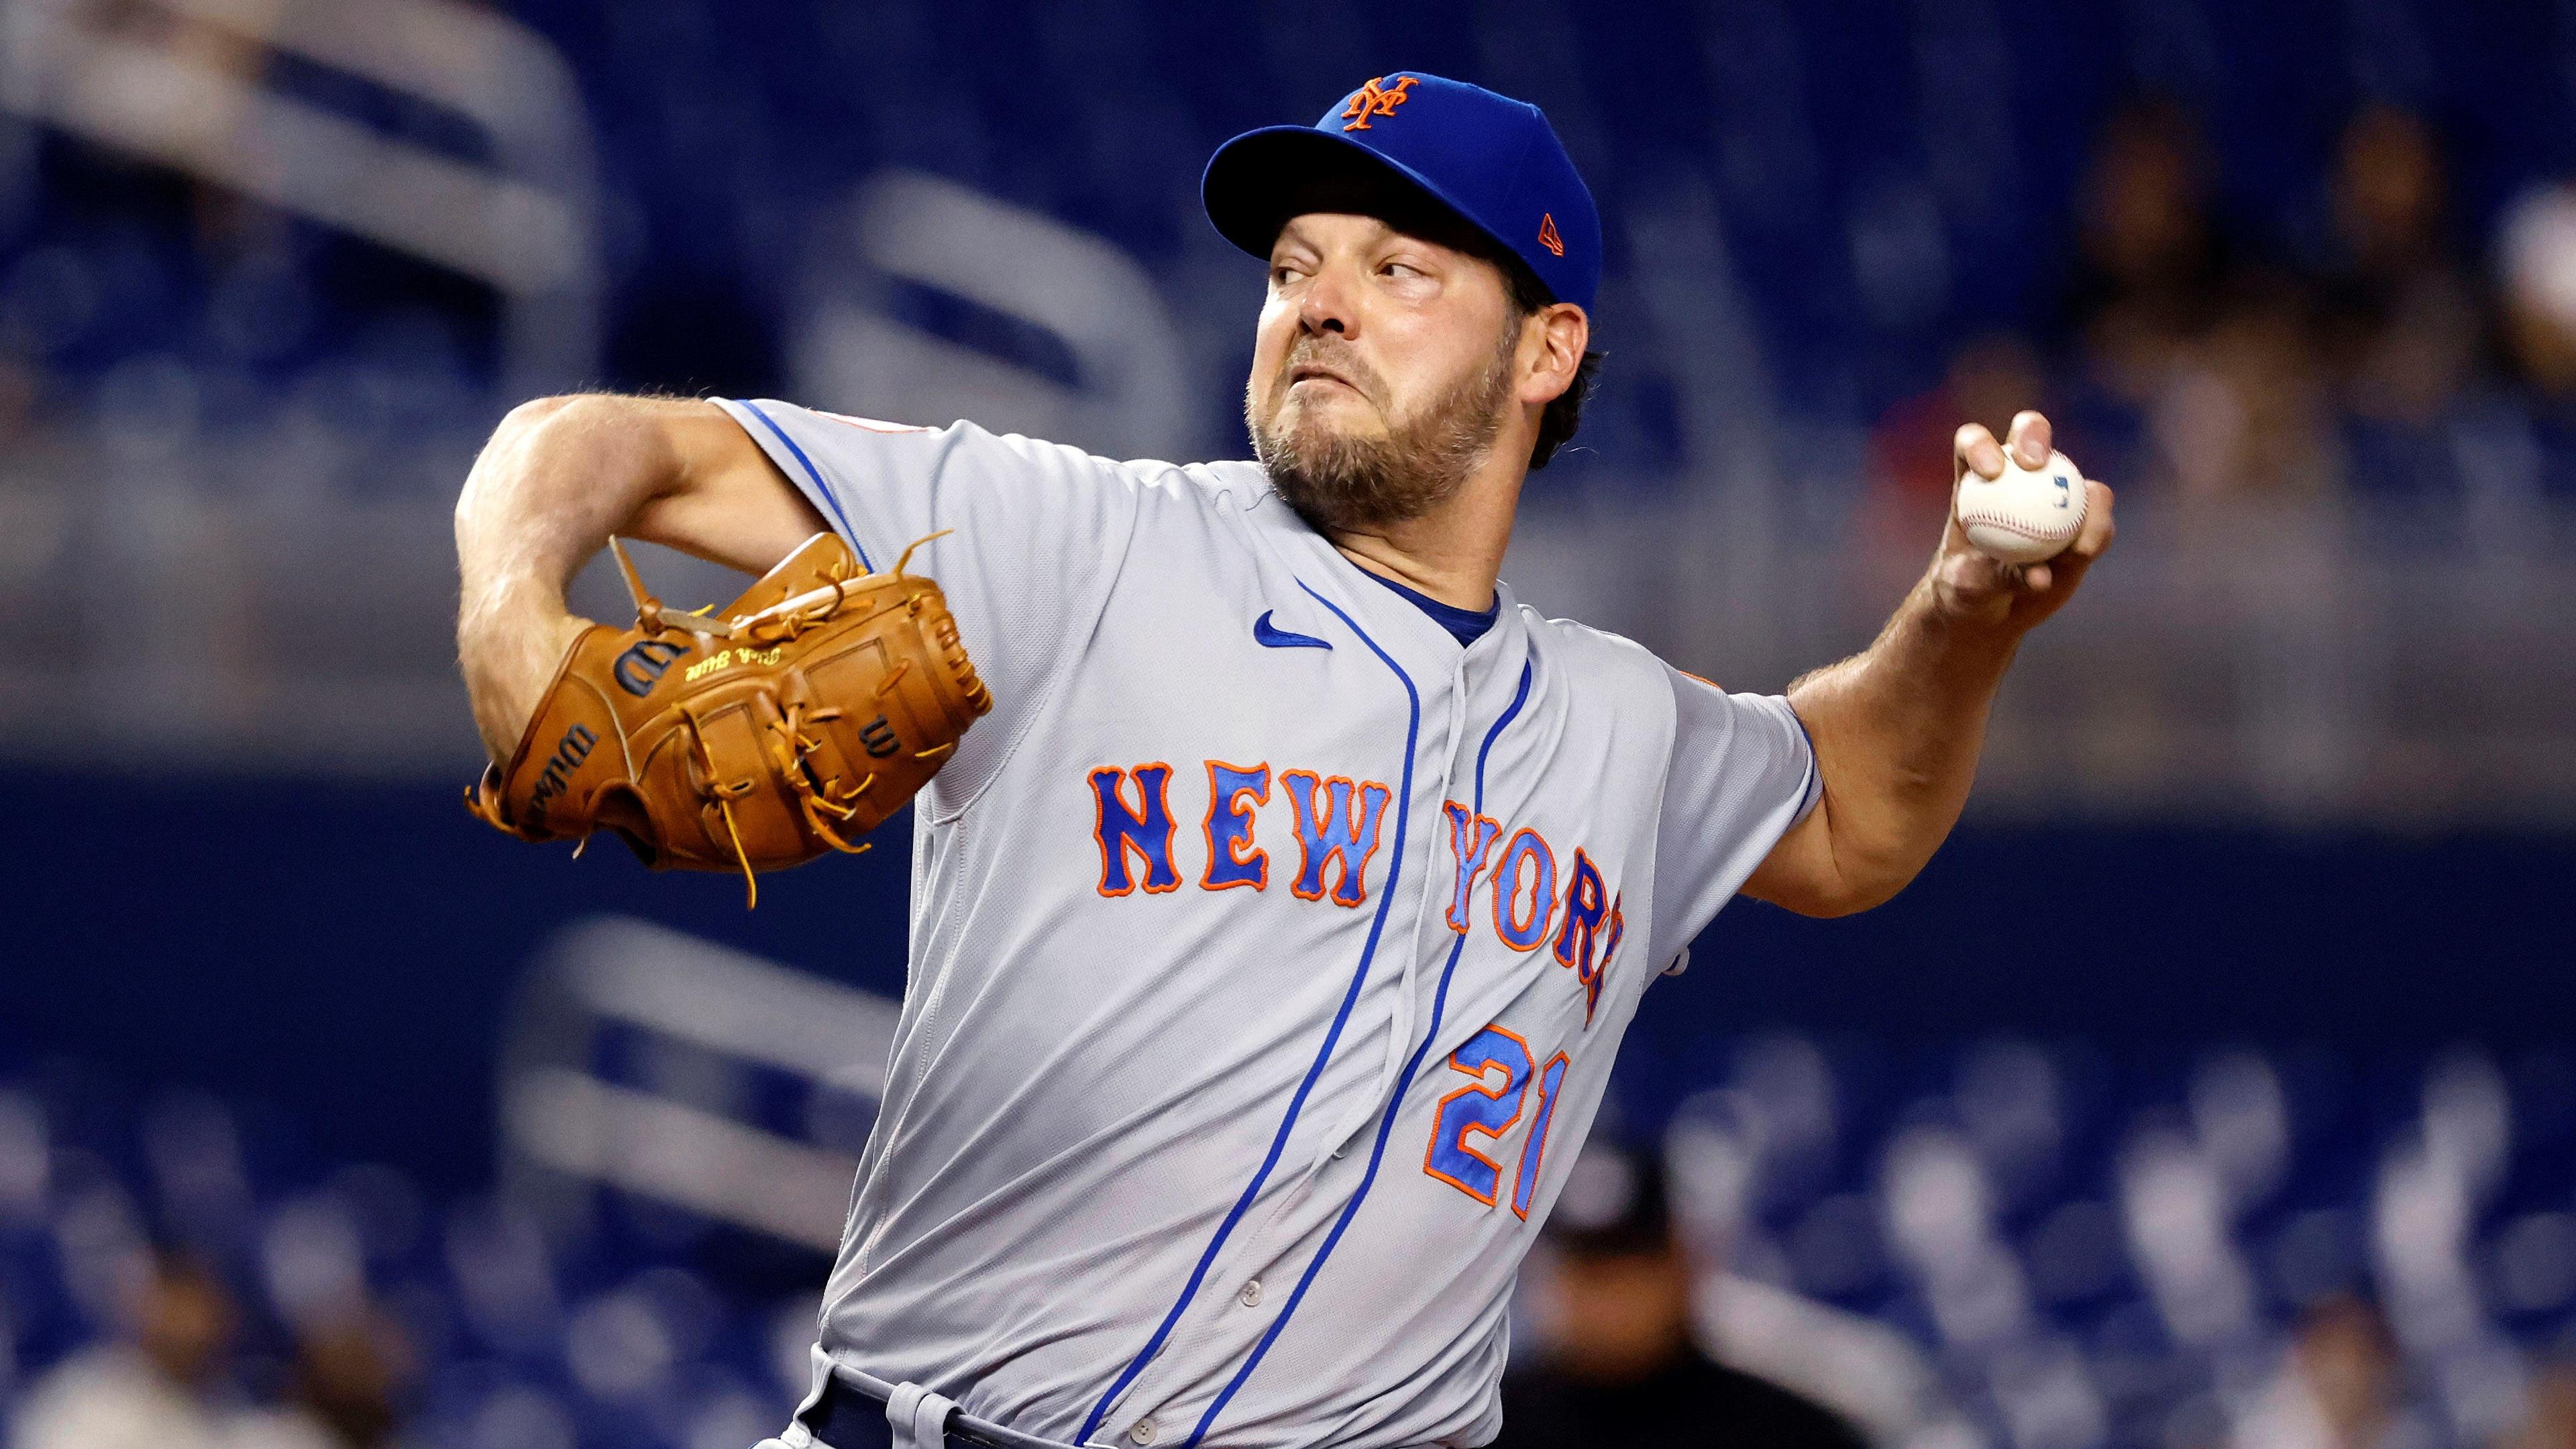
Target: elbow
1872 878
1822 904
1848 891
535 413
1832 864
521 424
573 409
1852 898
515 439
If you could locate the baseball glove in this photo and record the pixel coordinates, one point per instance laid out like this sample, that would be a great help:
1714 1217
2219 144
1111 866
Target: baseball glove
788 725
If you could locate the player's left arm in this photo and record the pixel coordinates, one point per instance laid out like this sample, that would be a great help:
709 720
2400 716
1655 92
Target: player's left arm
1898 726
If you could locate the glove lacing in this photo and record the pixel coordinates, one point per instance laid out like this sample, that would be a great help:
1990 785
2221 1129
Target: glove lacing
790 747
827 805
721 793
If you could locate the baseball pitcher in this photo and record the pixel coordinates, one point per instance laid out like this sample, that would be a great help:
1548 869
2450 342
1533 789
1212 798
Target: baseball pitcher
1282 886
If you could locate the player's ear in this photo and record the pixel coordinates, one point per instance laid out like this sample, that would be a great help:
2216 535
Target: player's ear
1562 333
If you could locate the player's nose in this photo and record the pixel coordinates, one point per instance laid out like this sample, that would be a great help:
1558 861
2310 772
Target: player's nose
1329 304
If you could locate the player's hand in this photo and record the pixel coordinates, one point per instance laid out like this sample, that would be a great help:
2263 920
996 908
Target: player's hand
1970 585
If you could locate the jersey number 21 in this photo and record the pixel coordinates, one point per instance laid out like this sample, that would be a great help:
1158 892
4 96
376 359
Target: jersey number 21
1489 1109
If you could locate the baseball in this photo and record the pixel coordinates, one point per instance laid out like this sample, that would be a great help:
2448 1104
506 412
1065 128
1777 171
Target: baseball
2027 514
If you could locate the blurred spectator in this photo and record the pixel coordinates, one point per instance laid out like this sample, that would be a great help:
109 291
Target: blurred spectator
2178 319
2536 254
347 1376
2337 1388
2398 321
1617 1363
2552 1424
164 1384
156 1389
2154 268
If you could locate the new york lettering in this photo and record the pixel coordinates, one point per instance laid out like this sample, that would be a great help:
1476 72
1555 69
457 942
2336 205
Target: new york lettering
1529 900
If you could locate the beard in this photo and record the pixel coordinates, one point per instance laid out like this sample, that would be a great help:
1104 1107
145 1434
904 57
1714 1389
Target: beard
1344 484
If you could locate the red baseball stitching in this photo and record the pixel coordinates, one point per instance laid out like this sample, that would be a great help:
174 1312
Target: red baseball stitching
2010 526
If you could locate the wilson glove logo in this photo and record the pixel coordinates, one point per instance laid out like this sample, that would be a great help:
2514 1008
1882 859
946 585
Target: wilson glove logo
644 663
878 738
570 751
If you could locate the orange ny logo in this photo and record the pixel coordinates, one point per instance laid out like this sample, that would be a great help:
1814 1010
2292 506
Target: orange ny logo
1547 236
1369 100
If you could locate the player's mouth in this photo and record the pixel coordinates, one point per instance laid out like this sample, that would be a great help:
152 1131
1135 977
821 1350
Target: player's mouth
1312 372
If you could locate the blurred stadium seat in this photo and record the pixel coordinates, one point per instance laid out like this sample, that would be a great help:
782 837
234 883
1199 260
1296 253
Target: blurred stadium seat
268 273
2001 1242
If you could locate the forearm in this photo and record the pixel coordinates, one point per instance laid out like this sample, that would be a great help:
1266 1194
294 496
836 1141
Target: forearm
557 478
1898 727
1897 731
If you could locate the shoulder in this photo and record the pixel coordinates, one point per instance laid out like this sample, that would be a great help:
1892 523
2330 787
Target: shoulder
1239 482
1597 656
1581 639
967 448
1228 485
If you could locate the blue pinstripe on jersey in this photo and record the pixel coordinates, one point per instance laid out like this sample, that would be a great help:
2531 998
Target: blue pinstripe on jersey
830 500
1296 1104
1386 1124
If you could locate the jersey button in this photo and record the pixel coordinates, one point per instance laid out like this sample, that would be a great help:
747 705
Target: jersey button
1251 1294
1143 1433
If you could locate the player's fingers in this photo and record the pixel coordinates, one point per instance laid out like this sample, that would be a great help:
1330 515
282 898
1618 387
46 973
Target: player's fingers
2072 565
2035 578
1974 447
2030 438
2070 571
2099 526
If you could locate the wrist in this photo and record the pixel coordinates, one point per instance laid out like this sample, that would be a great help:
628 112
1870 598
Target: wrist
1964 627
509 654
1963 595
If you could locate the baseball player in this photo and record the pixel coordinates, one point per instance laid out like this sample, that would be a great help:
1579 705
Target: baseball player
1273 936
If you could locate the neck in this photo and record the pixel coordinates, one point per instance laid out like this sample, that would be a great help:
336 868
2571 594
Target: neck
1452 553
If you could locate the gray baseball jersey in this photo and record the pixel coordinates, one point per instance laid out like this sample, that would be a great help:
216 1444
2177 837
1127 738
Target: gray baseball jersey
1269 950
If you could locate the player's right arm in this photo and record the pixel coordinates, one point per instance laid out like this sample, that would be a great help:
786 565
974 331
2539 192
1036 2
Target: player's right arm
1898 727
557 478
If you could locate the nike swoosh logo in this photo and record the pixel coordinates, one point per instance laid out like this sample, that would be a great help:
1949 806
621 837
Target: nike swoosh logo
1272 636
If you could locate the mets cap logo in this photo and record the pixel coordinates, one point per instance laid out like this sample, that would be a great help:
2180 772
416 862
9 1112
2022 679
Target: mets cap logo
1373 100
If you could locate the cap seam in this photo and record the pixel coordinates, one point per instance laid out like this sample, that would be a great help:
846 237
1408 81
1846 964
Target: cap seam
1520 164
1520 170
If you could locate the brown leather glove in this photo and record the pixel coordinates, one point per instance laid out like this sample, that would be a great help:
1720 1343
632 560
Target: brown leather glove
787 725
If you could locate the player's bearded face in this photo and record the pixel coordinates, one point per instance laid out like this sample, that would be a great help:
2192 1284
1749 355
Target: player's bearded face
1340 477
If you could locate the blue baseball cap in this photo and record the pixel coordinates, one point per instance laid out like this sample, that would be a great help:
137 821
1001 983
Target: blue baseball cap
1494 161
